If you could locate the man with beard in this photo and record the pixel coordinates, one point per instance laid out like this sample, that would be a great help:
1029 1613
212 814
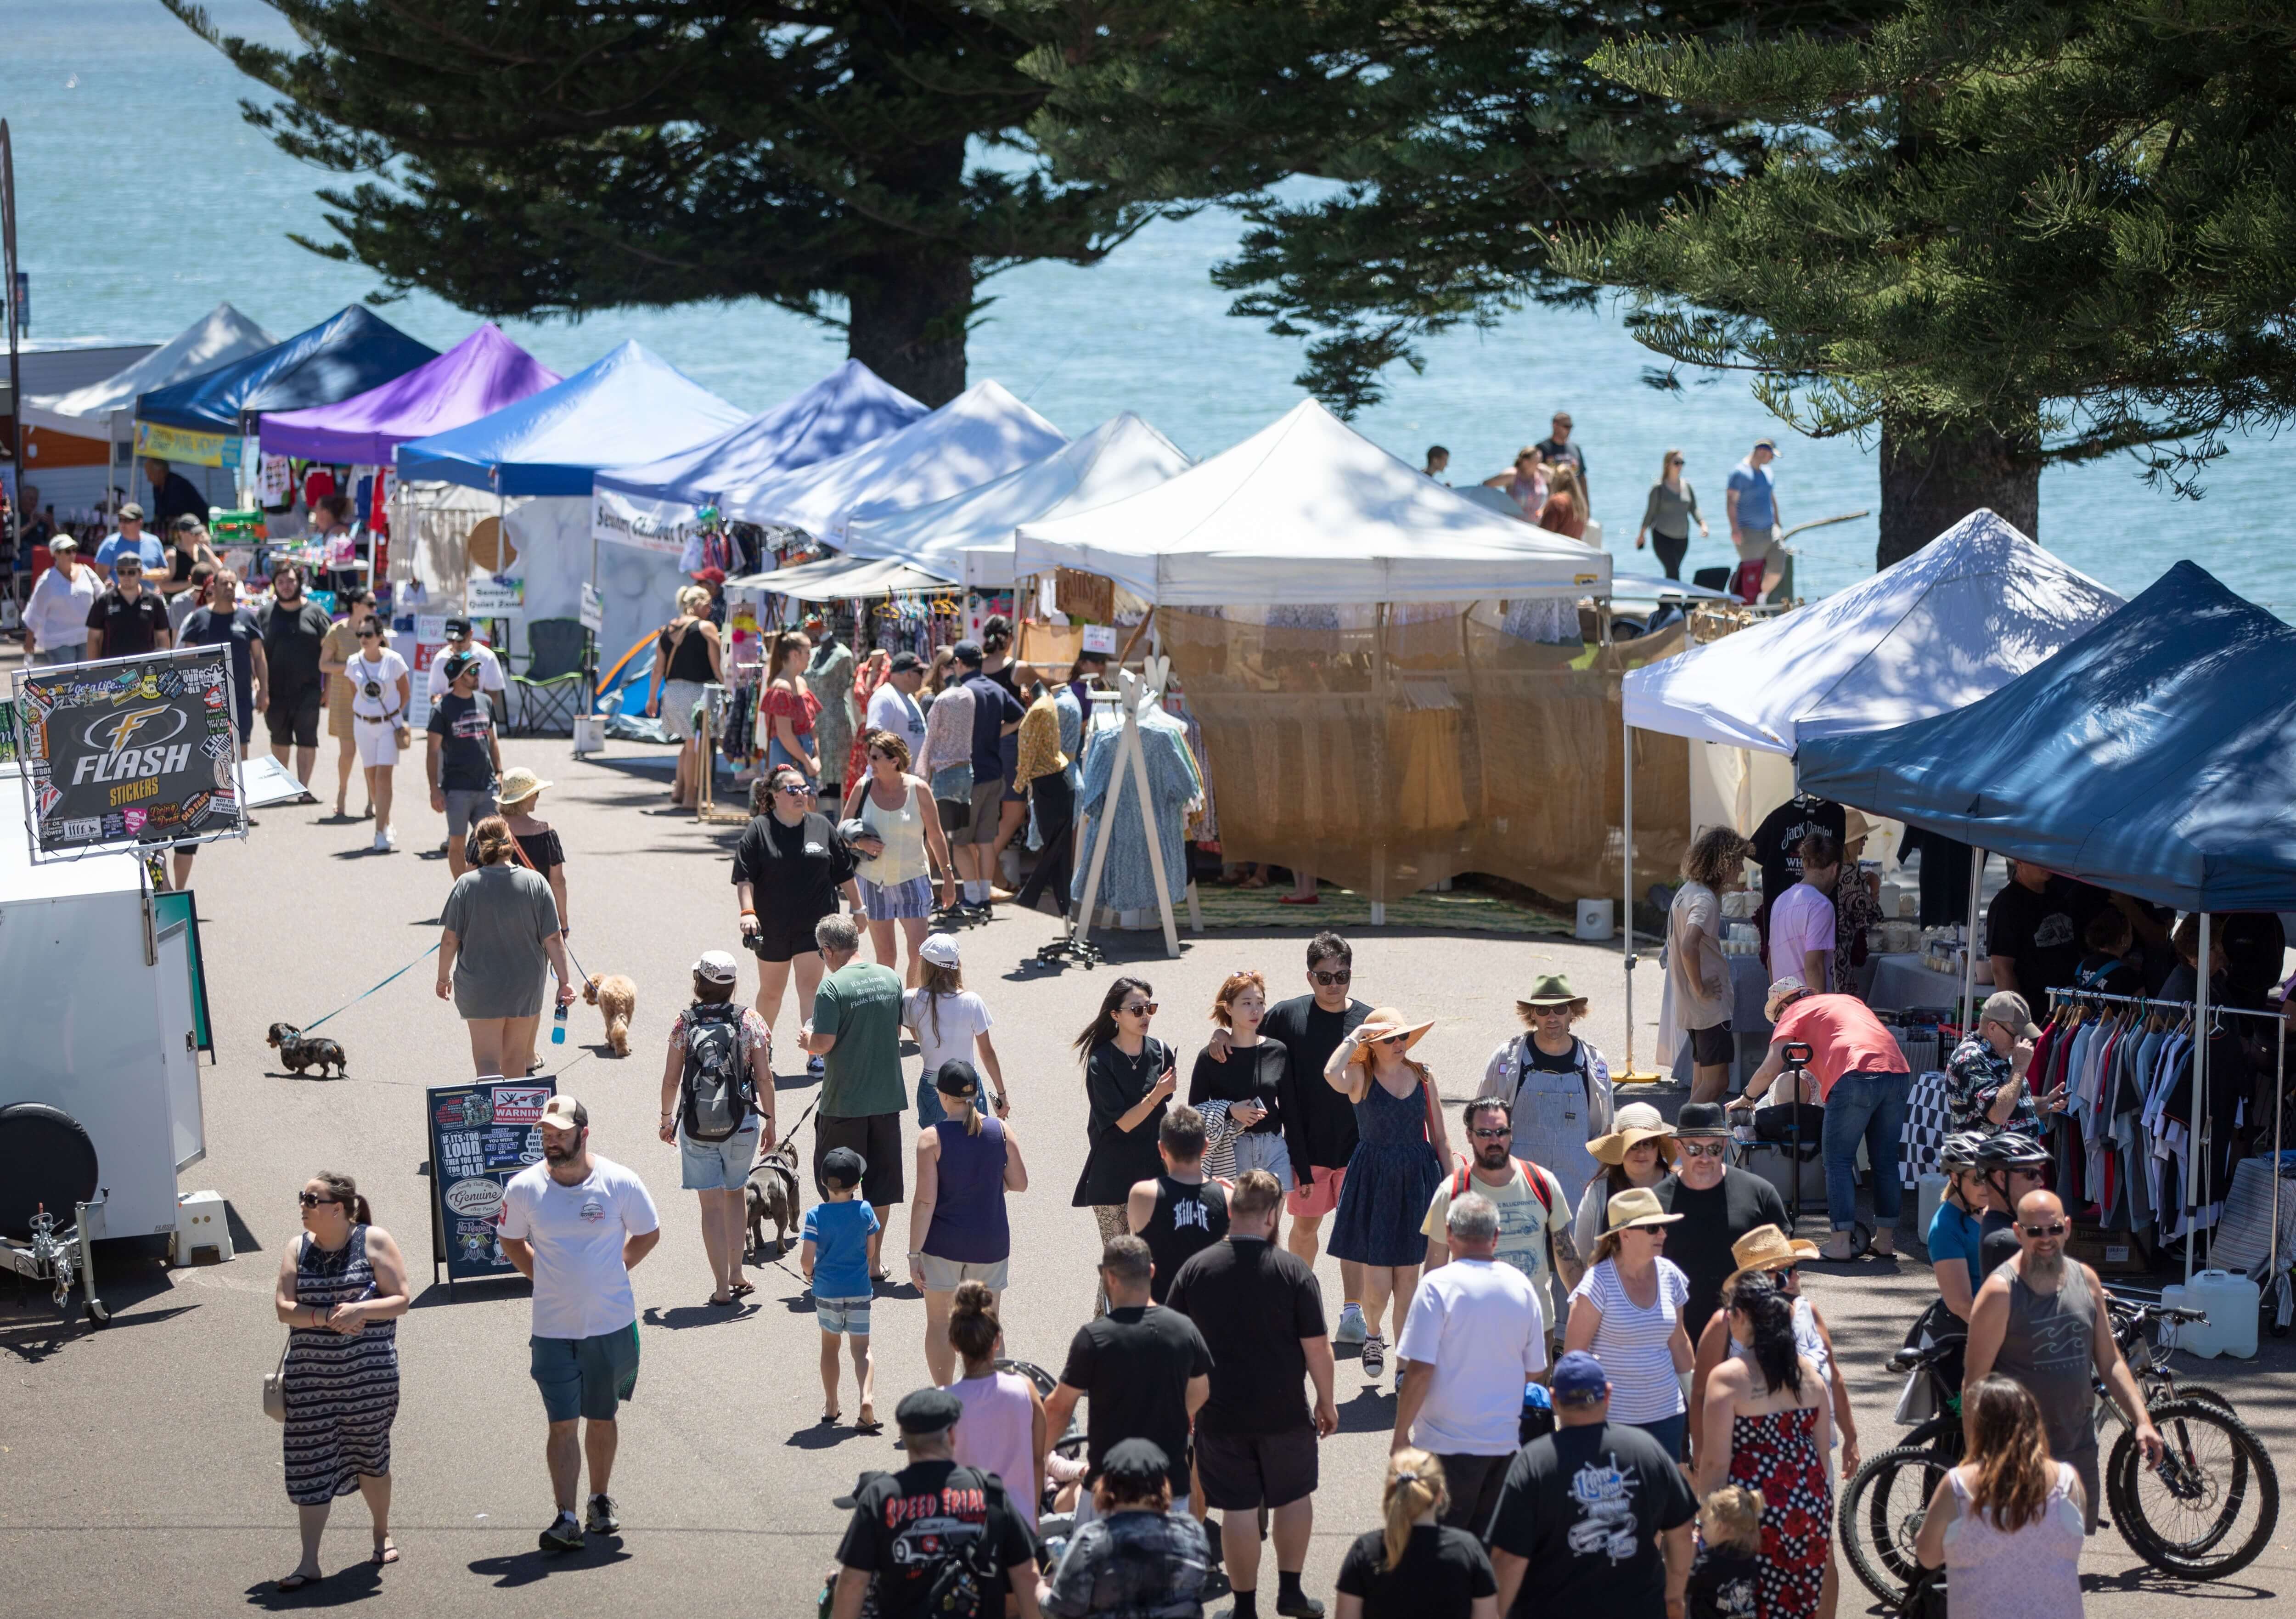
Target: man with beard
2042 1321
294 635
1534 1210
576 1224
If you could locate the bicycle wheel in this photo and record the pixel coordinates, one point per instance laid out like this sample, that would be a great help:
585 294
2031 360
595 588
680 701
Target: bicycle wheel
1881 1510
2209 1511
2202 1394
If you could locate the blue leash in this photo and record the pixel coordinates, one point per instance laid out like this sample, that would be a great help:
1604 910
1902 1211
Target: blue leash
354 999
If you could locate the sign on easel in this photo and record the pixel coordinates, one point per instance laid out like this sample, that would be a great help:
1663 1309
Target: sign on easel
481 1133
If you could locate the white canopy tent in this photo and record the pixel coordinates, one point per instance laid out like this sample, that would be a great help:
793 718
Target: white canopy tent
981 434
1960 618
837 578
968 538
220 336
1308 509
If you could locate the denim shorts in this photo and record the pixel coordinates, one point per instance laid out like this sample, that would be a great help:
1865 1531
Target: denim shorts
586 1376
1265 1150
717 1166
847 1317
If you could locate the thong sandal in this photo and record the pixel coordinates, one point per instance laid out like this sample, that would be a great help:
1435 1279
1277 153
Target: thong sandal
385 1554
293 1583
742 1289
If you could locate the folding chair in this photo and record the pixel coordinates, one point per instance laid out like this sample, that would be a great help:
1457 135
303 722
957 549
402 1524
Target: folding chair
551 690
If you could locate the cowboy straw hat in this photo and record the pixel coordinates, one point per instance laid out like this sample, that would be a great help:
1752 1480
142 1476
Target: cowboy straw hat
1383 1022
1767 1248
1636 1206
1635 1122
518 784
1552 990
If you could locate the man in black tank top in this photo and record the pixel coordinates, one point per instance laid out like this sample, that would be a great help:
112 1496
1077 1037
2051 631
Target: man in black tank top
1179 1213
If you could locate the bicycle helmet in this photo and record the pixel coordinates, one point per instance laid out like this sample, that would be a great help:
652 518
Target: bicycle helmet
2009 1150
1959 1151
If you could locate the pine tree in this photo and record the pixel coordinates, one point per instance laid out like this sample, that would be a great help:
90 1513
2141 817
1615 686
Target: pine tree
1998 234
553 157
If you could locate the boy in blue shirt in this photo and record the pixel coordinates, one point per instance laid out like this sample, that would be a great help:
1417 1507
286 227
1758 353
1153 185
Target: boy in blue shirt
835 1255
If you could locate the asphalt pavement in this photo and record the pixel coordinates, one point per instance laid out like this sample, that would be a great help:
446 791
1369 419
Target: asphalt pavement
139 1476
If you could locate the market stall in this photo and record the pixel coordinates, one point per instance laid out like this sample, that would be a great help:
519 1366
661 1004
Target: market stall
475 378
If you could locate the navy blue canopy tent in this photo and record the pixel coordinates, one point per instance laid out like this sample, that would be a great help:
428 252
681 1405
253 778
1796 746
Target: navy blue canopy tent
2155 755
348 353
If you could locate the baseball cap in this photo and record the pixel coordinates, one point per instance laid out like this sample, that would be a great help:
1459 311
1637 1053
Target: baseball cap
903 662
841 1166
188 524
1770 445
928 1410
968 652
457 629
710 575
563 1112
940 949
1579 1375
130 559
131 512
2009 1010
63 542
957 1078
718 966
460 664
1135 1465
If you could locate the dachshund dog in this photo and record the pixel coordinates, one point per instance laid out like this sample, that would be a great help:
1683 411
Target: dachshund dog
298 1051
773 1195
616 998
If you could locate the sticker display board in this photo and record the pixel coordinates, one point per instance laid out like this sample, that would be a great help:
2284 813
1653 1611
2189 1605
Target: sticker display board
482 1132
130 752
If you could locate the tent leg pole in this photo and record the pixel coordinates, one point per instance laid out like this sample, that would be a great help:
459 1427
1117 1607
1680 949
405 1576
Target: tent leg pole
1626 868
2279 1105
2200 1115
1969 955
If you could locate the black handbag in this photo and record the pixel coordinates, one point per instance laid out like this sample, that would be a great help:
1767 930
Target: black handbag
1925 1595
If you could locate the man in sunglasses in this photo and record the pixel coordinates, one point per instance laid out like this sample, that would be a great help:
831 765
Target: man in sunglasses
2041 1319
1719 1204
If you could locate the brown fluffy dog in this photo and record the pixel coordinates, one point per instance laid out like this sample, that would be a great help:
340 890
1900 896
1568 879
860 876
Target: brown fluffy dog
616 998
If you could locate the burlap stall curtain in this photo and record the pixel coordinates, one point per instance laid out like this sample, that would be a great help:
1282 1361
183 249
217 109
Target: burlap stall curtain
1389 752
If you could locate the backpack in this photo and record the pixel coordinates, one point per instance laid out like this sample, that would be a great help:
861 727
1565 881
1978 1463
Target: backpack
718 1092
1461 1178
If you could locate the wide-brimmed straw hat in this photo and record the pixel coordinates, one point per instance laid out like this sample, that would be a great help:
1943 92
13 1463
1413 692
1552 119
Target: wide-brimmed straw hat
1552 990
1767 1248
1635 1122
1636 1206
518 784
1383 1022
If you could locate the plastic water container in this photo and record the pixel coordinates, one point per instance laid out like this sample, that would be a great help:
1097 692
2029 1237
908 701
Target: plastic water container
1597 918
1932 1193
2232 1302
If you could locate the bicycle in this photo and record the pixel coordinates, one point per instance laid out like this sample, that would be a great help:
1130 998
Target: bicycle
2177 1516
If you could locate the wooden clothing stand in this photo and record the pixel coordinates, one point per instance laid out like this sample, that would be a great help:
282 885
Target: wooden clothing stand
1132 693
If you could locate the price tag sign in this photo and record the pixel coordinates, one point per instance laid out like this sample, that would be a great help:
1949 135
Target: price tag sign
594 609
1100 638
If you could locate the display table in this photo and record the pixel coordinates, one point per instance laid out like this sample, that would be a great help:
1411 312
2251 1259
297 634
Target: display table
1894 982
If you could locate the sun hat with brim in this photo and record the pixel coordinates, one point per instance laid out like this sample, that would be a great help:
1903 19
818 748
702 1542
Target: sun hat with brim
1635 1208
1702 1119
518 784
1635 1122
1550 991
1787 989
1767 1248
1383 1022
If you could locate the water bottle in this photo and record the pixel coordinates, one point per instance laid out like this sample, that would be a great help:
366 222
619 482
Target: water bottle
558 1025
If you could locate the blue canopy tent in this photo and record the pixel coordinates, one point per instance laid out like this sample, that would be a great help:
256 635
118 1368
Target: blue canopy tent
351 351
2155 755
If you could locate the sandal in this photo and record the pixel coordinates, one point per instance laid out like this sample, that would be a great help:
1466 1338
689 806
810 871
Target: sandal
385 1554
293 1583
743 1290
727 1302
866 1422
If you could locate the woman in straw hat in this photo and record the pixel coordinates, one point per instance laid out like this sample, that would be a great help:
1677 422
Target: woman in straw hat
1558 1084
537 848
1638 1151
1401 1151
1766 1250
1627 1311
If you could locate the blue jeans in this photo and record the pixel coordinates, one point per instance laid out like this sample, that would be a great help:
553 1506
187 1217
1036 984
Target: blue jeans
1871 1106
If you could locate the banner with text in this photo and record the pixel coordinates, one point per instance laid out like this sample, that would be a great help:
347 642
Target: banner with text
647 525
183 444
482 1133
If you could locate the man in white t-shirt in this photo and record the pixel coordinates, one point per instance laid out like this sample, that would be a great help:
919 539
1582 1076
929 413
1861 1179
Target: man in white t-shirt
1533 1209
1475 1335
574 1224
459 638
893 705
1801 923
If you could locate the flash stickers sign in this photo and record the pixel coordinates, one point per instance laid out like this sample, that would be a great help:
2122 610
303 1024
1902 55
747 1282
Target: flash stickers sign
130 751
482 1134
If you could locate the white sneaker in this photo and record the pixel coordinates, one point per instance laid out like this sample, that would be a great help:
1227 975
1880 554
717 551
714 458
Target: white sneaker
381 843
391 837
1351 1328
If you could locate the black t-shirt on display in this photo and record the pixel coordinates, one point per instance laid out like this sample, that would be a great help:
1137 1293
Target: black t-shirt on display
1319 1123
1584 1506
1134 1365
1442 1574
2041 933
1778 843
1252 1074
463 726
1253 1303
129 628
293 637
901 1521
1188 1220
1700 1242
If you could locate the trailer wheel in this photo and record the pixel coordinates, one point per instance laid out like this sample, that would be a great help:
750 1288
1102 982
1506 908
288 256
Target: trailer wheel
46 1159
97 1315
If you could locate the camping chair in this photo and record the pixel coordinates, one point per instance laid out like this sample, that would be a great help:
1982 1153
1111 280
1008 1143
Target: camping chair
551 690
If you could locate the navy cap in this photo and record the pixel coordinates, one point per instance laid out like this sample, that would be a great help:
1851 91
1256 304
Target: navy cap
903 662
968 652
1579 1375
928 1410
1135 1465
841 1166
457 628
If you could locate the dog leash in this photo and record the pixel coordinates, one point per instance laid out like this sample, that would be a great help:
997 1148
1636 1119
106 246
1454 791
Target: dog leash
354 999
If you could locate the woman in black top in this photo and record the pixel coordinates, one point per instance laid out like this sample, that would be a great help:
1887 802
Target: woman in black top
1241 1098
787 870
687 655
1128 1078
1416 1567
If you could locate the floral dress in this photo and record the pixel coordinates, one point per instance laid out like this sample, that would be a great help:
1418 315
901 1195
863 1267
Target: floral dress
1775 1455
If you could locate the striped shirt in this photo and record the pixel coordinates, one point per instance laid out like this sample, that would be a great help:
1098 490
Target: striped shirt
1631 1344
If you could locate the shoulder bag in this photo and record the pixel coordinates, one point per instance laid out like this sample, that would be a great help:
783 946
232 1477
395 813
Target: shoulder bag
274 1381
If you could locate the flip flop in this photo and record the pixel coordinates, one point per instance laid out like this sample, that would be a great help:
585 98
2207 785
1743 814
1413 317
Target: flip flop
724 1303
298 1581
742 1289
385 1555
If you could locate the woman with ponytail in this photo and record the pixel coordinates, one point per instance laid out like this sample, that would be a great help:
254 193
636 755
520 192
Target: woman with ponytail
343 1287
1767 1424
2006 1525
965 1164
500 930
1002 1430
1416 1567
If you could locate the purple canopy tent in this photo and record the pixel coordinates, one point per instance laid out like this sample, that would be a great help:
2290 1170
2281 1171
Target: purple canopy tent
475 378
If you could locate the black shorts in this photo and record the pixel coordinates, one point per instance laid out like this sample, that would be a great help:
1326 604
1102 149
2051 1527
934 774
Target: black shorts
877 1137
294 718
1241 1471
781 938
1711 1047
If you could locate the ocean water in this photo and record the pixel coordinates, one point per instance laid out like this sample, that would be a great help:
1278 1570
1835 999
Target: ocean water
144 199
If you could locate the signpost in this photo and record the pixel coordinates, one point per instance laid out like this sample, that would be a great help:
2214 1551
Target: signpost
482 1132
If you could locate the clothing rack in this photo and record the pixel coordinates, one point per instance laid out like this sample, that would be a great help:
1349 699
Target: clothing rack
2200 1012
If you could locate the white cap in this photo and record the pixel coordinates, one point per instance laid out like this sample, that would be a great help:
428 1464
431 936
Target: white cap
717 967
940 949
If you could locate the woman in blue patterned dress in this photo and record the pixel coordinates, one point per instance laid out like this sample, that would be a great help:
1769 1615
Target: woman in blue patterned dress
1400 1151
342 1286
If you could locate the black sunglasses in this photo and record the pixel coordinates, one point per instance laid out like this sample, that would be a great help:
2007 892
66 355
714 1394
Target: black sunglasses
798 792
1328 980
311 1200
2056 1228
1142 1008
1493 1134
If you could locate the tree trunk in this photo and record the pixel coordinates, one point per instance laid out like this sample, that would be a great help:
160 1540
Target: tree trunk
906 321
1933 475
